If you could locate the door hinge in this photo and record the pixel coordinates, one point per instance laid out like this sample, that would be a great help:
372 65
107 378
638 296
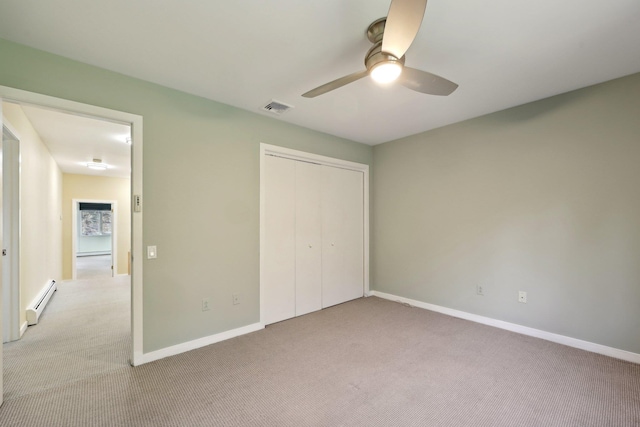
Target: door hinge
4 252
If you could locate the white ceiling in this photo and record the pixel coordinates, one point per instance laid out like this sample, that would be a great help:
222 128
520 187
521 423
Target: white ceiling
75 140
244 53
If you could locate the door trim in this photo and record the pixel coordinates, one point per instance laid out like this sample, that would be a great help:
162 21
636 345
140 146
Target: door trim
287 153
135 121
12 330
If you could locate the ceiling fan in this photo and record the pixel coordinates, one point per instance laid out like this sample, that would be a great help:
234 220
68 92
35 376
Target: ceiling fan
384 62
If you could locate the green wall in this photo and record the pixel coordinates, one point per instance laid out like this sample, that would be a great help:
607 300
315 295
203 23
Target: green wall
543 198
201 189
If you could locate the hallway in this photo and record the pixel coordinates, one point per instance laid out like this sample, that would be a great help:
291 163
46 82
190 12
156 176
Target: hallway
91 267
84 331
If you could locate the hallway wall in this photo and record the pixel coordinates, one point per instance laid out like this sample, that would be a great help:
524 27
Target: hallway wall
40 210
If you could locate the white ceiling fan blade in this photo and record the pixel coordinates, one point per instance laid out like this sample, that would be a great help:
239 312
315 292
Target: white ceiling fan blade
335 84
424 82
403 22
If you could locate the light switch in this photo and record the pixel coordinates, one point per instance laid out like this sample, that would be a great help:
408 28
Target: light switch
152 253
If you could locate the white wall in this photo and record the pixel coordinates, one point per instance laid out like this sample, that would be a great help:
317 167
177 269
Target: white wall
40 210
543 198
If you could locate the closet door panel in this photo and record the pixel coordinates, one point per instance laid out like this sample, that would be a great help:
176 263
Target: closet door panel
279 258
342 235
308 238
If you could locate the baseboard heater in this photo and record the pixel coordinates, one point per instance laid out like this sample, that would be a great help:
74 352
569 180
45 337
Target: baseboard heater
34 311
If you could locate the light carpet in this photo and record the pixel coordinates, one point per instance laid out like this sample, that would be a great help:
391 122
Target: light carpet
83 331
93 266
369 362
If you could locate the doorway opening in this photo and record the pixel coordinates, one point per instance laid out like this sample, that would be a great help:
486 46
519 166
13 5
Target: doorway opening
134 261
94 239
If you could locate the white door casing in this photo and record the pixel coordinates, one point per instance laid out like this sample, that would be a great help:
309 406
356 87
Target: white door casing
12 330
1 299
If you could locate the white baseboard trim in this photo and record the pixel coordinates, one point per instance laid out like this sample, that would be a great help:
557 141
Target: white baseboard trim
525 330
96 253
23 328
192 345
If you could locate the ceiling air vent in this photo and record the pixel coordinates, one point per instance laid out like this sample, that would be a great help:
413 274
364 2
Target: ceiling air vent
277 107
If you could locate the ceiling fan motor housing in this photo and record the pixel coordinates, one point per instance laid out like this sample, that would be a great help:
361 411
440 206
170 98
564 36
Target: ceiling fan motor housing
375 56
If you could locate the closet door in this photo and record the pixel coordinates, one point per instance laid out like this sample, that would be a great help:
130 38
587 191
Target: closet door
342 235
279 270
308 238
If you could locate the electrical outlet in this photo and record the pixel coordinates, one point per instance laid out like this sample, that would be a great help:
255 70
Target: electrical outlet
480 289
206 306
235 299
522 297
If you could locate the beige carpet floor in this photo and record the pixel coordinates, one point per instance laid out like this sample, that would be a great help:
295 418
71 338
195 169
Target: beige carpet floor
94 266
84 331
369 362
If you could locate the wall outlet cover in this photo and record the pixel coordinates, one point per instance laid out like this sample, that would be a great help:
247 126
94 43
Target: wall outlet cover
522 297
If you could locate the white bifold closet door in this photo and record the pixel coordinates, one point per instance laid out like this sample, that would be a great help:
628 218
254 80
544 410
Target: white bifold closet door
342 236
314 237
279 269
308 238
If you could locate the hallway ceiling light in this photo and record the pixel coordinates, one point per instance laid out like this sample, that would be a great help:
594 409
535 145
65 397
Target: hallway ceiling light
97 164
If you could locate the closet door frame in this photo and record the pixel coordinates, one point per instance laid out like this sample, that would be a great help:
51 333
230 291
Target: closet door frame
287 153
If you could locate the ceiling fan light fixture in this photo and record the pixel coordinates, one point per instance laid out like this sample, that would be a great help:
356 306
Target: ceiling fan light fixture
386 72
384 62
